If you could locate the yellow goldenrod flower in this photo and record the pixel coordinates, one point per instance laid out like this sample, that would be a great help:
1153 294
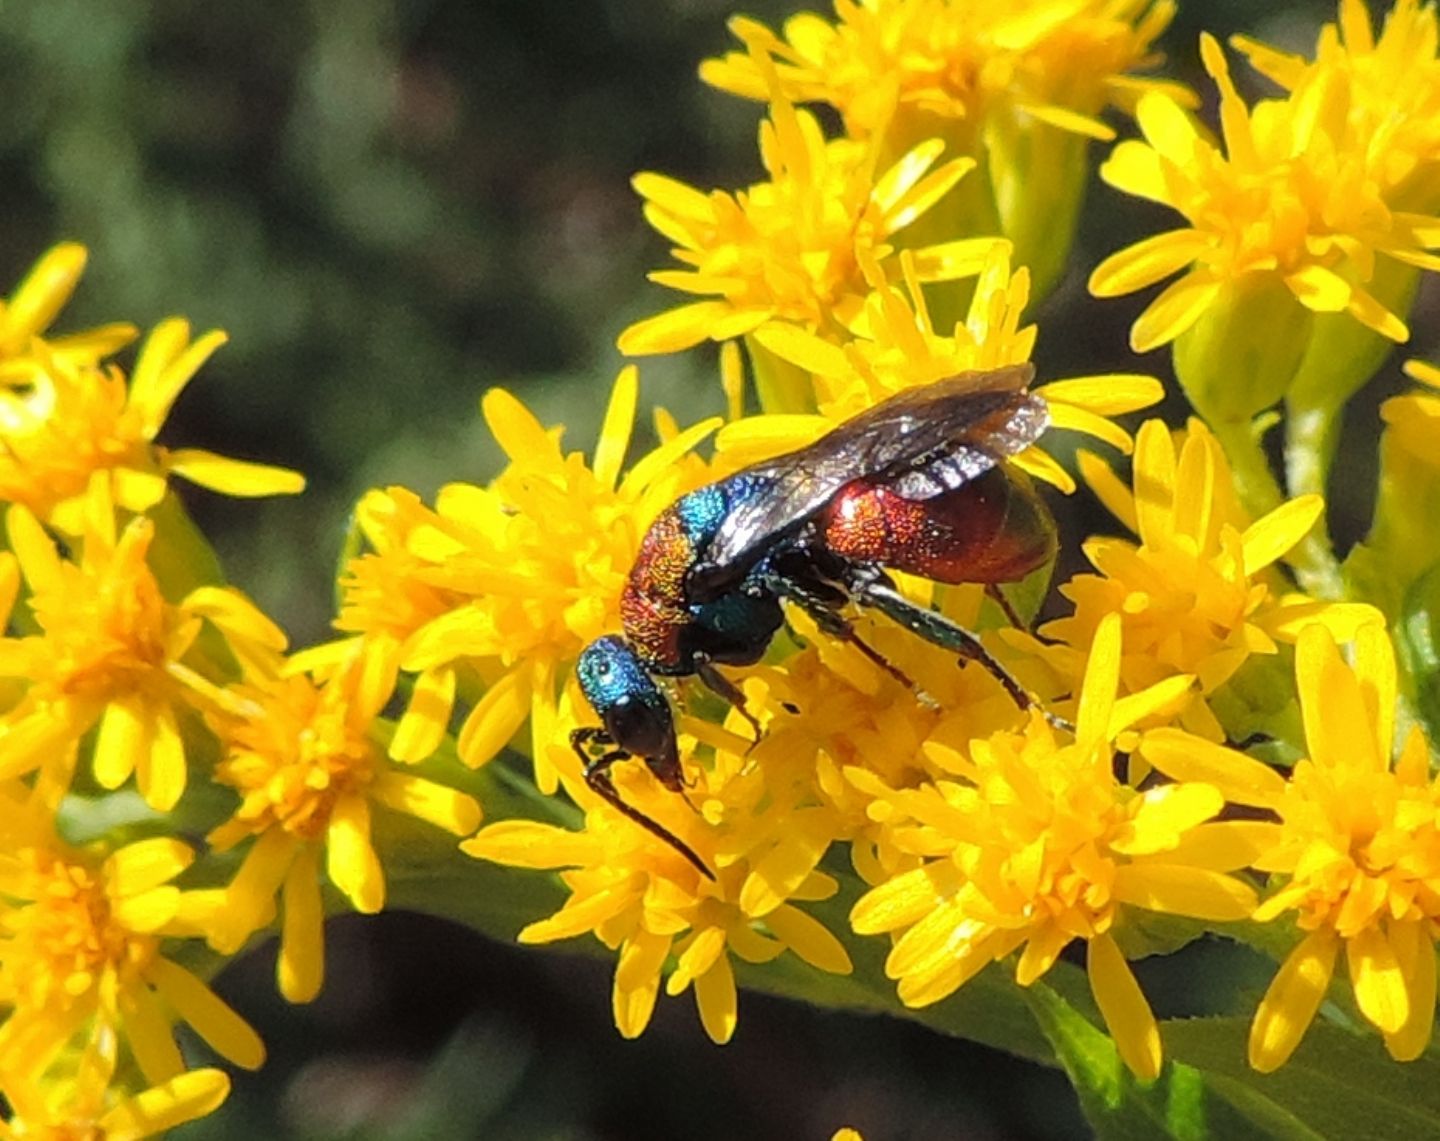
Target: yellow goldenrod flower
36 302
82 954
898 347
789 249
1033 843
1286 222
385 599
112 653
640 897
1393 84
65 419
304 761
1354 854
1057 61
1018 87
105 1116
1194 595
538 559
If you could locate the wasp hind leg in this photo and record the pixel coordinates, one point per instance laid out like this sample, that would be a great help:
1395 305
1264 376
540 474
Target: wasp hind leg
597 777
820 604
941 631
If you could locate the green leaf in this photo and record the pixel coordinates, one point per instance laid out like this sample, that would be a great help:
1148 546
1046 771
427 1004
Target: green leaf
1338 1085
1118 1105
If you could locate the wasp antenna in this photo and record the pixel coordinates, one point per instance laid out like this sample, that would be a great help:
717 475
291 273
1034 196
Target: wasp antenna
599 780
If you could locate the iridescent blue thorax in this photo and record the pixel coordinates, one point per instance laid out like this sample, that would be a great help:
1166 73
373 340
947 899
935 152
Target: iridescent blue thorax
668 630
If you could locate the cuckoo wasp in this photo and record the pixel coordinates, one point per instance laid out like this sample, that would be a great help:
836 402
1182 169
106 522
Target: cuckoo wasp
917 484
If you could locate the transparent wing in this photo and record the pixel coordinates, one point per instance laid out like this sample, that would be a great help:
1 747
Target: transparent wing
923 441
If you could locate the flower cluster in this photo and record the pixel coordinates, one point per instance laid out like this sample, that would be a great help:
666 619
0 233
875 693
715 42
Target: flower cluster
1218 729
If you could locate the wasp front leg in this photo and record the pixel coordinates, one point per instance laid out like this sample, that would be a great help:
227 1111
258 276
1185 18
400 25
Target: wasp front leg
598 779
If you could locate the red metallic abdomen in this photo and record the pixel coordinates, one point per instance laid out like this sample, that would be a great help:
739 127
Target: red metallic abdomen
992 529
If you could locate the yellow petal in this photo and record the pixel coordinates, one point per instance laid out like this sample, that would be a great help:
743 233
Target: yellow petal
145 864
240 478
1164 813
526 844
810 939
228 1034
1291 1001
157 1110
1184 757
1177 308
300 967
675 329
496 718
126 728
1178 890
40 296
637 981
615 429
1147 262
1268 538
1123 1007
422 726
1415 952
1380 989
434 803
350 860
715 996
775 877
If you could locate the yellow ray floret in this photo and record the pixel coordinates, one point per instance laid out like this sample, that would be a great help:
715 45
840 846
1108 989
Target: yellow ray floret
64 416
896 346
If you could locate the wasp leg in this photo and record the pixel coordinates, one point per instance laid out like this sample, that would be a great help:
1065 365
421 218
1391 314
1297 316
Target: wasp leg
996 595
821 608
936 628
597 777
720 685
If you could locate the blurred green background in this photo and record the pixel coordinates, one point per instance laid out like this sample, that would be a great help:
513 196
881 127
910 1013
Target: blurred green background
392 207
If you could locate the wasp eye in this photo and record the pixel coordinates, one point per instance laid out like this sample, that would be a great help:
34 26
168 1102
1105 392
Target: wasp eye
603 669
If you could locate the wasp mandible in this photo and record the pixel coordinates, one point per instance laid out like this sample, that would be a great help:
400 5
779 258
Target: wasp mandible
916 484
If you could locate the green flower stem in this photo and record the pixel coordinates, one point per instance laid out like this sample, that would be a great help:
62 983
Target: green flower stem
1260 492
1311 435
